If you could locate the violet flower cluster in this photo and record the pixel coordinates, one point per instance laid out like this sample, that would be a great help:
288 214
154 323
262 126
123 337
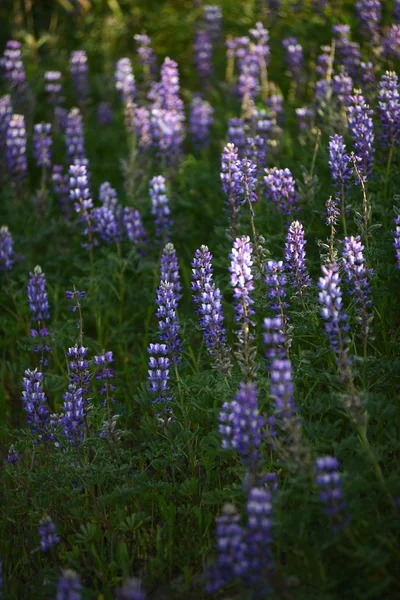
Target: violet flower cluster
125 80
280 189
158 373
60 182
357 277
359 117
68 586
231 183
331 299
42 142
208 299
328 479
39 307
294 57
201 120
389 108
78 64
396 242
47 534
276 282
169 269
145 52
6 249
369 13
202 49
13 70
295 257
80 196
168 325
242 279
35 404
339 161
105 375
74 140
274 338
16 149
160 209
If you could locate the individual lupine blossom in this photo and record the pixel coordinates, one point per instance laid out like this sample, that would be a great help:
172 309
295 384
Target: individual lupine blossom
104 114
160 209
231 183
12 457
276 281
279 189
145 51
47 533
78 366
131 590
339 161
342 85
389 108
242 279
391 42
158 373
274 338
16 148
13 69
305 117
295 257
331 495
236 133
35 404
169 269
294 57
259 47
241 424
369 13
125 80
74 140
359 117
396 242
68 586
6 249
73 420
357 277
78 64
133 225
42 142
80 195
168 326
231 548
202 49
105 376
201 120
60 182
212 15
330 298
6 112
208 299
53 87
38 303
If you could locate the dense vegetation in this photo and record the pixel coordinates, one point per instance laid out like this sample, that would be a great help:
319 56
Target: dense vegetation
199 325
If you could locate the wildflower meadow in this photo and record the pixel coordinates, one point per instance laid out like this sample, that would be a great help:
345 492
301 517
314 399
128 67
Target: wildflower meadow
199 299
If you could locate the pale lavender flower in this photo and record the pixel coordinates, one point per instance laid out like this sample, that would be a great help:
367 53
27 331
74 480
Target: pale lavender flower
16 149
274 337
329 480
359 116
106 225
231 184
47 534
6 249
236 133
74 140
160 209
212 15
201 120
37 297
13 70
125 80
68 586
357 277
42 142
145 51
342 85
78 64
202 49
339 161
331 299
279 189
242 279
133 226
389 108
53 87
6 113
305 118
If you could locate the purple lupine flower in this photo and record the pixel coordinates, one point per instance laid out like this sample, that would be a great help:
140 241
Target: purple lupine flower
248 179
285 411
241 425
80 195
209 308
331 300
236 133
74 140
331 494
332 211
78 366
108 195
369 13
357 277
160 209
131 590
104 114
212 15
6 249
35 404
167 92
13 70
16 148
342 85
78 64
242 279
347 53
38 300
125 80
396 242
259 46
145 51
274 103
133 226
294 57
42 142
391 42
339 161
231 547
158 373
68 586
168 325
202 49
258 536
12 458
106 374
167 132
396 11
305 118
389 108
143 127
169 269
47 534
6 112
60 181
105 224
295 257
274 337
201 120
360 123
279 189
231 184
368 78
53 87
73 420
276 281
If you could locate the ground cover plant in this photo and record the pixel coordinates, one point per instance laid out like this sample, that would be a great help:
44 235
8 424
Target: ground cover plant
199 325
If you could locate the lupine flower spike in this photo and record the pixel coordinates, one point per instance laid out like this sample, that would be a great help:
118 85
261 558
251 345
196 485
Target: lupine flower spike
160 209
295 257
47 534
331 494
68 586
39 307
6 250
